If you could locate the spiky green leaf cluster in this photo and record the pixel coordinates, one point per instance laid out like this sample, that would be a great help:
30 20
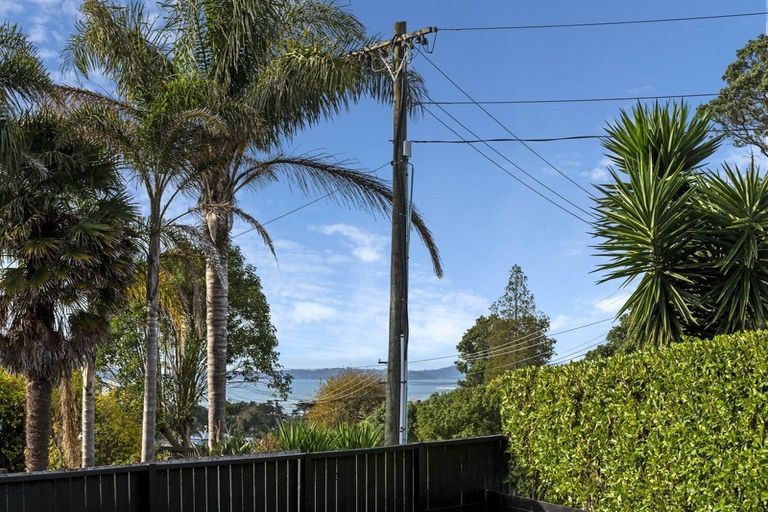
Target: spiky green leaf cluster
693 242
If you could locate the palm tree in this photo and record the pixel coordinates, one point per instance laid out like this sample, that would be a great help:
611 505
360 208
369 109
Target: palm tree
287 65
694 239
64 238
154 124
645 219
23 83
733 211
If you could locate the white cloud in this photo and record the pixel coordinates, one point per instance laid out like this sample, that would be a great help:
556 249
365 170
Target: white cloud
306 312
365 246
559 322
742 158
333 310
600 172
611 305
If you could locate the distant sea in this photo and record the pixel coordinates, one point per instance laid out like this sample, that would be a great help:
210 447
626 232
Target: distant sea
305 389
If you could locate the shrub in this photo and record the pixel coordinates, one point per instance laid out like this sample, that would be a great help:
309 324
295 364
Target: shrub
347 398
308 437
463 412
682 428
12 414
118 428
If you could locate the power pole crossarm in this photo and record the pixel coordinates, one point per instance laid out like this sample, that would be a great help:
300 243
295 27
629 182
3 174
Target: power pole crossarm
398 39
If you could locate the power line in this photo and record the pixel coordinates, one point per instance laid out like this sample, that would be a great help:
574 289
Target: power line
514 363
604 23
305 205
715 131
569 100
502 125
501 167
499 350
508 139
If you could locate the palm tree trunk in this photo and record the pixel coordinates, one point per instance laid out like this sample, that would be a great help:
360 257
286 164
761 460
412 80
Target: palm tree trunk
38 423
217 302
149 417
68 406
89 414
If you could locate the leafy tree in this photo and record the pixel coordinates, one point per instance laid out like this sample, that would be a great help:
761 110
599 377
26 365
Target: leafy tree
618 340
511 336
463 412
65 231
182 341
117 428
254 419
741 108
348 397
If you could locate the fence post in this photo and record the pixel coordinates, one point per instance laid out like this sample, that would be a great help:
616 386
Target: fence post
422 478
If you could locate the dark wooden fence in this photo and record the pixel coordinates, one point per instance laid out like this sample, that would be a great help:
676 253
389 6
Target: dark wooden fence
438 476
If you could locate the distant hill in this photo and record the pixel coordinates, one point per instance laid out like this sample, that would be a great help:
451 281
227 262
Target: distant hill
447 373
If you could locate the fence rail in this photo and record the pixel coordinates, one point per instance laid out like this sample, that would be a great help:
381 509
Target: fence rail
436 476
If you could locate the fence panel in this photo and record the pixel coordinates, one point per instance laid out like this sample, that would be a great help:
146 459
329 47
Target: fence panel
449 475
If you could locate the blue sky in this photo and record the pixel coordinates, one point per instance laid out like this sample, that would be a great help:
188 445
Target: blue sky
329 286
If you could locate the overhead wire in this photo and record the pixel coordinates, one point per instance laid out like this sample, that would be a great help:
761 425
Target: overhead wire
503 169
501 349
604 23
568 100
536 139
502 125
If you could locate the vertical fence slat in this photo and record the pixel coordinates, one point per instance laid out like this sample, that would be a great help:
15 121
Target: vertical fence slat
225 488
187 489
122 493
108 501
200 479
236 485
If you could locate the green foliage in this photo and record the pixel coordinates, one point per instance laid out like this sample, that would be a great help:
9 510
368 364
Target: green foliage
463 412
252 339
741 108
252 355
232 444
118 428
681 428
619 339
304 436
252 418
350 436
511 336
348 397
12 408
309 437
693 241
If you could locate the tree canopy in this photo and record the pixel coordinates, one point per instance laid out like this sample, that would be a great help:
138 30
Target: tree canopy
512 335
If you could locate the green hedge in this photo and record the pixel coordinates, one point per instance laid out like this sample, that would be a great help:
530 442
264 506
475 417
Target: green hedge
463 412
677 429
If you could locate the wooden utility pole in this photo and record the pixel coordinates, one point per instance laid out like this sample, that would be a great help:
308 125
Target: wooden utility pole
397 405
398 279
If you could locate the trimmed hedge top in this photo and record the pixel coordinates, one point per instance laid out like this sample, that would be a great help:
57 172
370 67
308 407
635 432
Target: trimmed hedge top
682 428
